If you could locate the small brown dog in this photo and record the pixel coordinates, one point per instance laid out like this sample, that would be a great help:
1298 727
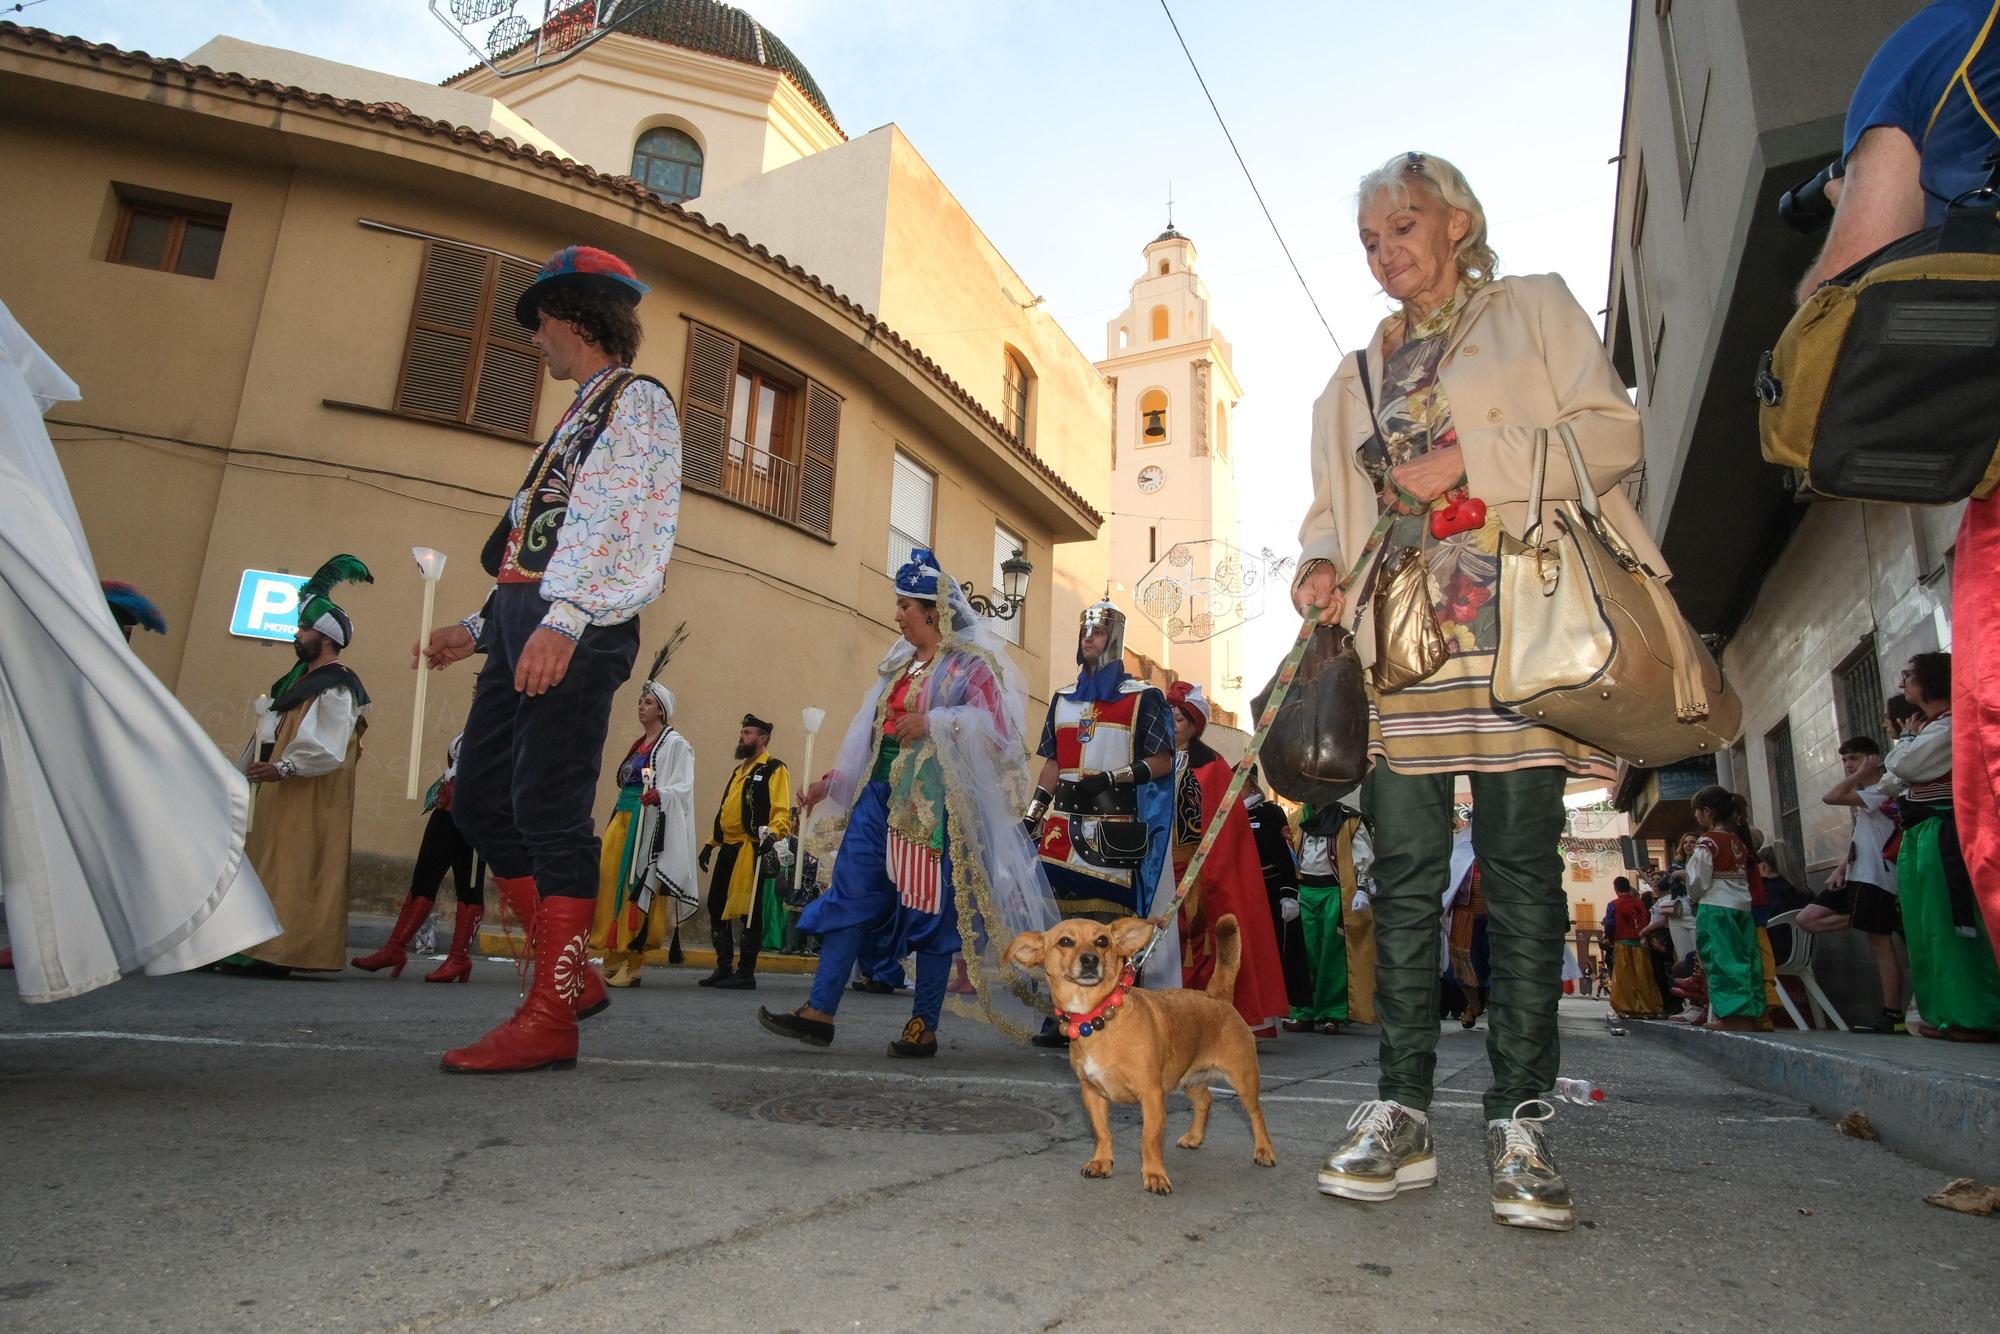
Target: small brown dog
1131 1045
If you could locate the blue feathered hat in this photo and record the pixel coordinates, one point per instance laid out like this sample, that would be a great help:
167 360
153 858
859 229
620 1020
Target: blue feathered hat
131 608
919 576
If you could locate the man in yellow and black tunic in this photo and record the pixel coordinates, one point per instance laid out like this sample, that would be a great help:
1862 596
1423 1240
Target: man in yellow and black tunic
756 810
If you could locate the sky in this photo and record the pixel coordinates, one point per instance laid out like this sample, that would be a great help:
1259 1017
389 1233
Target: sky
1062 125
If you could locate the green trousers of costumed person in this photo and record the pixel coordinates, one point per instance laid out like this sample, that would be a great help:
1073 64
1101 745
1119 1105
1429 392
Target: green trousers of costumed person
1326 950
776 919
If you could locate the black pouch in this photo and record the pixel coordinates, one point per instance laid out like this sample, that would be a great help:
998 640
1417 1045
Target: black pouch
1317 749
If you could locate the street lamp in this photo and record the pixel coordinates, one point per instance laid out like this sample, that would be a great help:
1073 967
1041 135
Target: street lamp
1014 572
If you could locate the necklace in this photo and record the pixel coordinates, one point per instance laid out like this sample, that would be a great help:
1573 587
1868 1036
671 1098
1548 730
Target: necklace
1090 1021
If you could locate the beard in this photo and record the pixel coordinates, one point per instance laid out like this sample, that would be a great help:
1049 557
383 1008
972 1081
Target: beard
744 752
305 652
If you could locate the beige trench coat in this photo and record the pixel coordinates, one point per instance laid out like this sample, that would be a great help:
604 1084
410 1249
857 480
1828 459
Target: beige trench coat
1524 356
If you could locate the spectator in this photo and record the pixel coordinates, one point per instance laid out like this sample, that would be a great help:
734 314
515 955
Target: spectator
1861 892
1725 933
1952 966
1920 129
1634 992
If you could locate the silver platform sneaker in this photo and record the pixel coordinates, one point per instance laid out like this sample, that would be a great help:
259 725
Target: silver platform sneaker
1528 1188
1388 1152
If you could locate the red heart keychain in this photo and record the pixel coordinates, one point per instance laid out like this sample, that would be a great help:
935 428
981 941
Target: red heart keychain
1460 516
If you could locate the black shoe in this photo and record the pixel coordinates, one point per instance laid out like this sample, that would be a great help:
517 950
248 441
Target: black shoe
715 978
917 1041
1889 1021
873 988
812 1032
738 982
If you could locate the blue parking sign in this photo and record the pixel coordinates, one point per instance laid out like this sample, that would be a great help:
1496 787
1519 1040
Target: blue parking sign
267 605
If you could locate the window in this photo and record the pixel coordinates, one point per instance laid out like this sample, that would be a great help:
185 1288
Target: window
1785 786
668 162
1019 383
1222 430
1163 268
1152 545
757 432
168 232
1005 544
1652 315
1162 324
1153 418
1858 683
465 359
911 488
1684 46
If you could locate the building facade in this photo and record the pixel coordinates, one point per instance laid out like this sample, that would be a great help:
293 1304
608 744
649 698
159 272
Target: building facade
318 355
1174 562
1816 603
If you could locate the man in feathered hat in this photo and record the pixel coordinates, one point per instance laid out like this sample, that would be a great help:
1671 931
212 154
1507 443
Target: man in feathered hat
756 809
1101 802
303 758
582 548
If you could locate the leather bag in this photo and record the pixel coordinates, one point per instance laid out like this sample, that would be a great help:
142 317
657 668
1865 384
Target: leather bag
1409 644
1591 642
1316 750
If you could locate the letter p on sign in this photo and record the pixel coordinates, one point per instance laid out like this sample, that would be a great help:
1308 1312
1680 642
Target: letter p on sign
267 605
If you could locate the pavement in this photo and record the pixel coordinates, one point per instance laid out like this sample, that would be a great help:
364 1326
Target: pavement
213 1153
1935 1102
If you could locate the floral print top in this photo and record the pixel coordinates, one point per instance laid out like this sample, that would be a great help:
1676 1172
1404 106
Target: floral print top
1448 723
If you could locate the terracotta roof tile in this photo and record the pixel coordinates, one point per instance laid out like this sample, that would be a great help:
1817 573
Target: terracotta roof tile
625 188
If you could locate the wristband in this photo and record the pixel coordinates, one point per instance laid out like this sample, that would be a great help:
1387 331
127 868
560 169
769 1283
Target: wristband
1039 806
1137 772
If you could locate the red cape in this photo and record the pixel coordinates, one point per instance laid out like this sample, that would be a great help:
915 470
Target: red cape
1233 885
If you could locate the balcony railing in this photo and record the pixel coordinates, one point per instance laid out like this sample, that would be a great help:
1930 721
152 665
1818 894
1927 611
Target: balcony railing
761 479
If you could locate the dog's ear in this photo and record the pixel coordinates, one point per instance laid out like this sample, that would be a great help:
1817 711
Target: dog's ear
1130 935
1026 949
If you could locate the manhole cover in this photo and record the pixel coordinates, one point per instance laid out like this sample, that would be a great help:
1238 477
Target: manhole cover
925 1114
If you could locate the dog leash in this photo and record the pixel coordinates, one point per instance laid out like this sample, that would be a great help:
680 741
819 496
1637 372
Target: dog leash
1287 672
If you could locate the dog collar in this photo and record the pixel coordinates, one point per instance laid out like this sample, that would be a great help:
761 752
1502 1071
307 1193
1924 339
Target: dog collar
1083 1025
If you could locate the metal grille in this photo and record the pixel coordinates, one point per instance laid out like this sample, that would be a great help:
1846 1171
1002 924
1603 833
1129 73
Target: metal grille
1785 785
1861 695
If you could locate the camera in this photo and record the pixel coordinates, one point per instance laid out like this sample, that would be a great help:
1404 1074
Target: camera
1805 207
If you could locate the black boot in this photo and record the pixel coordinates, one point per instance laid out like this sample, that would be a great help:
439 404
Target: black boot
674 956
745 976
725 950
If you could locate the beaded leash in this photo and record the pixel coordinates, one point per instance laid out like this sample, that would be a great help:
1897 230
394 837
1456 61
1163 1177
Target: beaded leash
1240 778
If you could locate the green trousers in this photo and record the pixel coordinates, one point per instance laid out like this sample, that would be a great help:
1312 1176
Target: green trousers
1516 824
1326 950
1953 977
1726 940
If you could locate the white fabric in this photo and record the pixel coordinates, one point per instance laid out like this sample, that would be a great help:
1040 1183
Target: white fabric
324 734
1921 758
1873 828
662 697
988 762
1705 886
1315 855
121 824
329 625
1363 853
673 778
1679 913
451 757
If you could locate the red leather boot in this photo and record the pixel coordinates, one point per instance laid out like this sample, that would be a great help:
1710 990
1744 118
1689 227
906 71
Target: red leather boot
457 965
519 897
396 953
543 1031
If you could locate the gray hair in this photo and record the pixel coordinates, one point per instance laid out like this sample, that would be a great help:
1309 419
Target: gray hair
1475 259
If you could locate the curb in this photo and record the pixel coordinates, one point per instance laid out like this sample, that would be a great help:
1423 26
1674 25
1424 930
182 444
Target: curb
1942 1119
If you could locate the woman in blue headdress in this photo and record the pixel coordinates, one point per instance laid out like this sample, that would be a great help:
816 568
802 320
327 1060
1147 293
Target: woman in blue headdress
927 792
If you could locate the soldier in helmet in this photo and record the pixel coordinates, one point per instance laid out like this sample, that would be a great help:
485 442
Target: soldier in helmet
1102 801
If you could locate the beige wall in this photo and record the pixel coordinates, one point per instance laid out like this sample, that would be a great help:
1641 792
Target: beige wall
747 119
203 444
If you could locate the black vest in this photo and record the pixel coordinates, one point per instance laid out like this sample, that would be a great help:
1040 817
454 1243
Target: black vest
525 550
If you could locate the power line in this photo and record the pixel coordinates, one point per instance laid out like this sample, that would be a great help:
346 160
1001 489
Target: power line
1310 300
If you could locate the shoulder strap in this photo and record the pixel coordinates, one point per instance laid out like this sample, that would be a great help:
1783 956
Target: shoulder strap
1367 388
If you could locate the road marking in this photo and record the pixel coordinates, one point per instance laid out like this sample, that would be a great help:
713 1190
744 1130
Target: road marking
108 1035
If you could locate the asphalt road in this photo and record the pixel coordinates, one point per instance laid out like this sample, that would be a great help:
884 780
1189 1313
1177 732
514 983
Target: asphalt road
220 1154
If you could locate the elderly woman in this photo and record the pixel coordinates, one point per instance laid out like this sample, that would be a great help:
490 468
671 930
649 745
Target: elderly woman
1443 405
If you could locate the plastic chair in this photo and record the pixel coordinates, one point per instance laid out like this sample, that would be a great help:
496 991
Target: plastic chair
1799 963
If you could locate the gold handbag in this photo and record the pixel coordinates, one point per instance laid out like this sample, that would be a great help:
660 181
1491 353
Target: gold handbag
1409 644
1591 642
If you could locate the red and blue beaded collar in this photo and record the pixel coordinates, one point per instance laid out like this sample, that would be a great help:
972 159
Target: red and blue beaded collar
1082 1025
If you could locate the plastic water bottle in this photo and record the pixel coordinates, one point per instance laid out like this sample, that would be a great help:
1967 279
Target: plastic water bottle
1580 1091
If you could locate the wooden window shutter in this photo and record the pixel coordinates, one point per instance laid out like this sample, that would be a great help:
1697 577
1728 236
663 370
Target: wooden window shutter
466 359
704 405
444 326
819 457
510 369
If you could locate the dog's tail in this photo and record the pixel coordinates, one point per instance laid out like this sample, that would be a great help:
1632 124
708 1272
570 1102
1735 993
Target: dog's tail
1228 956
